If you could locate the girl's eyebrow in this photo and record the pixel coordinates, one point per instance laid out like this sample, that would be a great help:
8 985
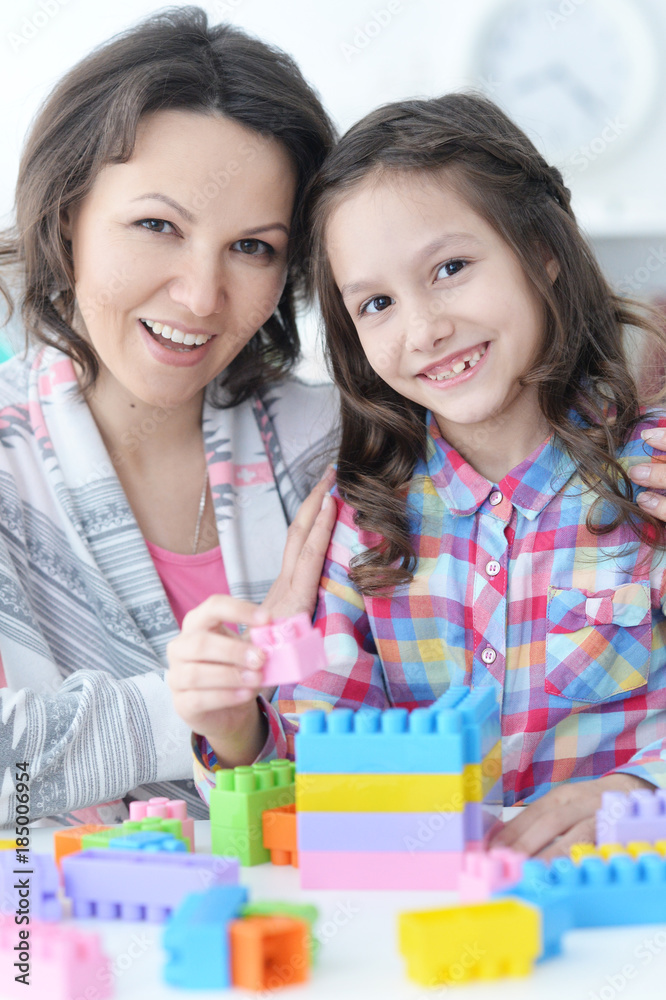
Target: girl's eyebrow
440 243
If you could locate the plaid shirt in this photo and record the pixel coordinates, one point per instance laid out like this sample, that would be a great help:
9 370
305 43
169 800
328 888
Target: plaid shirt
511 590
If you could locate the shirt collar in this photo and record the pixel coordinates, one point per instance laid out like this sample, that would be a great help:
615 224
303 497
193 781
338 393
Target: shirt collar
529 486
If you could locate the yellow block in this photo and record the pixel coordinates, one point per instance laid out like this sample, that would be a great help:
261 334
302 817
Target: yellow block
7 845
480 779
380 792
489 940
579 851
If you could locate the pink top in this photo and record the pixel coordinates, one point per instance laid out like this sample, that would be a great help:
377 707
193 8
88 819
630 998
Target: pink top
188 580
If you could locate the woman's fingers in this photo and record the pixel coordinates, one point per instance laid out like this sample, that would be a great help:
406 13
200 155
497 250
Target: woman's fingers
580 833
219 609
304 521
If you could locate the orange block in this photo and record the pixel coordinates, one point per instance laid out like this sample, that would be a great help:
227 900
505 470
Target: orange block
69 841
279 834
269 952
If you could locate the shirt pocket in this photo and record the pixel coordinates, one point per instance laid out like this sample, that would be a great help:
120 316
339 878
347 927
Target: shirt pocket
598 645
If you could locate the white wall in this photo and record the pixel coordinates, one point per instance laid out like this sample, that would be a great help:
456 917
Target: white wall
359 54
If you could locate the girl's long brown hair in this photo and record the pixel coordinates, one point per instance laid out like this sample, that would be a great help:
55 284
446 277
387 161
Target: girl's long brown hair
172 60
586 390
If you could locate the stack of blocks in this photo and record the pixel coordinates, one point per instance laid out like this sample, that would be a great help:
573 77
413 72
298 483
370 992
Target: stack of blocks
237 803
634 816
392 800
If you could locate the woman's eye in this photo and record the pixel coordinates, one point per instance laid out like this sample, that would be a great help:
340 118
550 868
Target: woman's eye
450 268
253 248
156 225
376 305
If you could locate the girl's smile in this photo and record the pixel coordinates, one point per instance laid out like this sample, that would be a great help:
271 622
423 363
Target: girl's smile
443 310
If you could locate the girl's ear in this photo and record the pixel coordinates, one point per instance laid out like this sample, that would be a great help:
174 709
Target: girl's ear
553 268
66 223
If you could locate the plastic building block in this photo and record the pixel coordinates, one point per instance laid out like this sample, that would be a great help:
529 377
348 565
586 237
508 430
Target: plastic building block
139 885
69 841
196 938
294 648
380 870
486 873
461 728
479 941
269 952
7 845
275 908
379 792
36 881
619 892
152 824
64 963
146 840
164 808
636 815
279 835
237 803
381 831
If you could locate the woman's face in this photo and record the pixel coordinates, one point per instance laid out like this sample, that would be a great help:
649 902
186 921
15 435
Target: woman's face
180 254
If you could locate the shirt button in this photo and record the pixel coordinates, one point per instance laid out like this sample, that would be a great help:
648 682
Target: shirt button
492 567
489 655
495 498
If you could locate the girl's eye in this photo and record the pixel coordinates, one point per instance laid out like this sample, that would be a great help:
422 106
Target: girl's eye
156 225
450 268
376 305
253 248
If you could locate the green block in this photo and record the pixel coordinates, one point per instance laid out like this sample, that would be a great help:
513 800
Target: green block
238 801
276 908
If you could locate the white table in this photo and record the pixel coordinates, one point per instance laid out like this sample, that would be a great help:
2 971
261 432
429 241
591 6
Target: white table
359 957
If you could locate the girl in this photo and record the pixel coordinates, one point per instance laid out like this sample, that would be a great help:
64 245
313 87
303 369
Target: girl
488 532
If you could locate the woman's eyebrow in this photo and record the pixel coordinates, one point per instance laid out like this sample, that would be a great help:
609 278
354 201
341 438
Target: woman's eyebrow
177 207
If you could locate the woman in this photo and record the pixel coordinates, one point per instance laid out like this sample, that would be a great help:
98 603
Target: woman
153 449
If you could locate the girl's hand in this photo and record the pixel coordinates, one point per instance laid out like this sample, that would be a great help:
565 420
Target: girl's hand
215 676
296 587
652 474
567 812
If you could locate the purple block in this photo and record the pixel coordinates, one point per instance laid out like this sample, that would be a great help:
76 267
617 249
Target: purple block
41 875
481 817
380 831
140 885
627 816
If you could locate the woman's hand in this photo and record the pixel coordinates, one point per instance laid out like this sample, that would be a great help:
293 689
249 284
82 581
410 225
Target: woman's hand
567 812
296 587
214 674
652 474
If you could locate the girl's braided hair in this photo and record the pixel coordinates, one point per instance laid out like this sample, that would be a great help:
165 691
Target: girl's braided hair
585 387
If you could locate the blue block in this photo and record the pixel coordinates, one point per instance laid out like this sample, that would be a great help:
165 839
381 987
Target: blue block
196 938
555 904
147 840
460 727
620 892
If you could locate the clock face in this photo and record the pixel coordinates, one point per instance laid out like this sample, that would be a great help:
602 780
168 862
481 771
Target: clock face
580 76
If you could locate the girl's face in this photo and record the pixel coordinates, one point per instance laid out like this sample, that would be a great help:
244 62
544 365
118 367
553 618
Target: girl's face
180 254
443 309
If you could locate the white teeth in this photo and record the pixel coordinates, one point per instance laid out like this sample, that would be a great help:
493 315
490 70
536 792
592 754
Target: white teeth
473 361
175 335
459 367
475 357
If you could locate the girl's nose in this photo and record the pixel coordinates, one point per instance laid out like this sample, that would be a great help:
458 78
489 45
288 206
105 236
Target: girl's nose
427 326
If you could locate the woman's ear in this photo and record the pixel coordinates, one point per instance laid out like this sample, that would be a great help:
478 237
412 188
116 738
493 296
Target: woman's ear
66 222
553 268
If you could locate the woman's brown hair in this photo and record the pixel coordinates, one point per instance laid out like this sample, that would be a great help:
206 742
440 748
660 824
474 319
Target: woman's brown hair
586 390
172 60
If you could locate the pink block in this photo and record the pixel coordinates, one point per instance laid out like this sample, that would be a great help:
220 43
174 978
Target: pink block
65 963
385 870
483 874
294 649
165 809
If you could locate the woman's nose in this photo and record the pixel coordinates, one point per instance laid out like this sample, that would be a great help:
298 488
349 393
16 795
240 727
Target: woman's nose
199 285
